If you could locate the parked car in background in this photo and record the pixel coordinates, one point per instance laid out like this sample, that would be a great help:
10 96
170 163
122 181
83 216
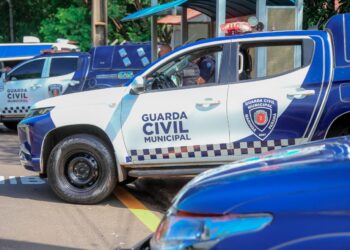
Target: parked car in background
36 79
294 198
12 54
110 66
53 74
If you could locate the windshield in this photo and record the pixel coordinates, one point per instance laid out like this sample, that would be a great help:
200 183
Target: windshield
186 70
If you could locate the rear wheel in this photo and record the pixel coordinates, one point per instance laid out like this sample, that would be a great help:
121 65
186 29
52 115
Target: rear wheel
11 125
81 169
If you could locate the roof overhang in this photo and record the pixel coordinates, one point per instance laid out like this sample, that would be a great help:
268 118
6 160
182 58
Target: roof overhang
234 8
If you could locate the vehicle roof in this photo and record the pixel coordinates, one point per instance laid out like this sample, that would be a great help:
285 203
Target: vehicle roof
269 34
59 54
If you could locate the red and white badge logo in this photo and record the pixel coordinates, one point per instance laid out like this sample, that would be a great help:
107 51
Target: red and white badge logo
261 116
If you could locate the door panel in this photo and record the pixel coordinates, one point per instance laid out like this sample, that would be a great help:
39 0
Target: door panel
276 110
59 75
175 125
24 88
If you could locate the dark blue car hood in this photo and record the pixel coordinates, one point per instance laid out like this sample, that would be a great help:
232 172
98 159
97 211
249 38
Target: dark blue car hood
307 178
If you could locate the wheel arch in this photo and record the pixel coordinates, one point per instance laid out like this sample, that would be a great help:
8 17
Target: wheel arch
57 135
337 125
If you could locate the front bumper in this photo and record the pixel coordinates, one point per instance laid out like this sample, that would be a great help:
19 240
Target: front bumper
27 161
31 133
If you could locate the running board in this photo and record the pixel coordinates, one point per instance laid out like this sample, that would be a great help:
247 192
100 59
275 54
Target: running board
166 172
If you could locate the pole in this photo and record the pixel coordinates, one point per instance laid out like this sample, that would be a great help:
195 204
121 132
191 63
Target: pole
11 21
261 53
220 19
184 26
299 4
154 36
99 22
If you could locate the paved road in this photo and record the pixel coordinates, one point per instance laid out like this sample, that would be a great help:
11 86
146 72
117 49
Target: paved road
32 217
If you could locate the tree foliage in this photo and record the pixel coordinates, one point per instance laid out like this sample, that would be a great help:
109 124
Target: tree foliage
71 19
72 23
318 12
345 6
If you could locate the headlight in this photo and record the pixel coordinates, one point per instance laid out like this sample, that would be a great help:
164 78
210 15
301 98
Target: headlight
39 111
184 230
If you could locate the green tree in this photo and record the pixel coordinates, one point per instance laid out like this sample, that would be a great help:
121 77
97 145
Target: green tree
136 31
317 13
28 15
345 6
72 23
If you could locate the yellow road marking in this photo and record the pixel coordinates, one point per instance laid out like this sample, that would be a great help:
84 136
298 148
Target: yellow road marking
149 219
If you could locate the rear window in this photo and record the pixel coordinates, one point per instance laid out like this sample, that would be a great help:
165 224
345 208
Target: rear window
63 66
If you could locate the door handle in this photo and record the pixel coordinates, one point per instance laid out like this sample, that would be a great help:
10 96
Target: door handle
206 103
35 86
301 93
73 83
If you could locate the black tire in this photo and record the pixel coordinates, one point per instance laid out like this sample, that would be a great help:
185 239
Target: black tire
81 169
11 125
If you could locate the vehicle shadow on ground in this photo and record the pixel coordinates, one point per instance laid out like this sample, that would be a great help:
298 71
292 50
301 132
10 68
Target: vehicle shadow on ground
157 193
12 244
40 191
9 147
154 193
4 130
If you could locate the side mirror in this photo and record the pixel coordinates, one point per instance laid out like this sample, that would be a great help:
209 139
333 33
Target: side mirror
138 85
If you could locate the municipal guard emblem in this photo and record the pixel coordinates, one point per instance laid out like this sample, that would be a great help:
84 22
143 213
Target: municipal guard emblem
261 116
55 90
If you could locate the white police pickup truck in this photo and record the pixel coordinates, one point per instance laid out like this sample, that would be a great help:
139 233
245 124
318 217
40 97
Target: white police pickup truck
36 79
179 117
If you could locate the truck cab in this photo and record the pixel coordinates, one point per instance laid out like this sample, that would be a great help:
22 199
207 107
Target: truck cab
204 104
110 66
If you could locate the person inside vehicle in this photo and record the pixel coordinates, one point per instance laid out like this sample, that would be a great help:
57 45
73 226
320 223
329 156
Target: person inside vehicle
199 71
206 65
245 64
187 70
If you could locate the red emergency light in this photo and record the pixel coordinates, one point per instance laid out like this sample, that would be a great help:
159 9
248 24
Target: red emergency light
236 28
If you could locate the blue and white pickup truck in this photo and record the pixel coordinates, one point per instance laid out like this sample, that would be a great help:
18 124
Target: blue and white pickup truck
179 116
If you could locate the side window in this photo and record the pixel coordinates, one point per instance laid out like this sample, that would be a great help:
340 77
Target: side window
281 58
31 70
192 69
63 66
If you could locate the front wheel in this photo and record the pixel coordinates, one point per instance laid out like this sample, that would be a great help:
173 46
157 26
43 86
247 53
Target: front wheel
81 169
